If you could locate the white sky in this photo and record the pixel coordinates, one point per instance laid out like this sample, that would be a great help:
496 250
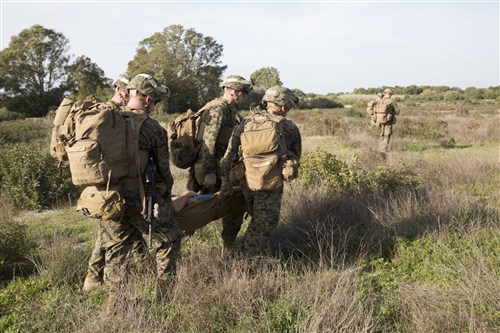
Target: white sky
317 46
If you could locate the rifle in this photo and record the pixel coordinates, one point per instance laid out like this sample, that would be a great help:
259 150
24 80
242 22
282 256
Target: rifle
150 186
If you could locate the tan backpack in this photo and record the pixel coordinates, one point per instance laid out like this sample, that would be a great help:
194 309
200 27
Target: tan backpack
263 145
63 130
104 146
370 107
383 112
184 143
186 135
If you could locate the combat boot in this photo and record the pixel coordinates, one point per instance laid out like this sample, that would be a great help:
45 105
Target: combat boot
91 283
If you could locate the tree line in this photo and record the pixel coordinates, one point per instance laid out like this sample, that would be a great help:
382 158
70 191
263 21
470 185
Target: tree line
438 93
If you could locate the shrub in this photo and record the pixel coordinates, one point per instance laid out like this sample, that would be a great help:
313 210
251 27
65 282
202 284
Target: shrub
435 132
6 114
13 240
14 301
22 131
30 178
318 102
324 170
354 112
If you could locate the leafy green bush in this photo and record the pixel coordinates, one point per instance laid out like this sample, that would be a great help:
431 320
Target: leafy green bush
13 239
435 132
324 170
22 131
16 299
354 112
410 101
313 101
30 178
6 114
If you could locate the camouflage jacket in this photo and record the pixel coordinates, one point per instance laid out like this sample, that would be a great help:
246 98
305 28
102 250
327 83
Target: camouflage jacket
219 122
233 154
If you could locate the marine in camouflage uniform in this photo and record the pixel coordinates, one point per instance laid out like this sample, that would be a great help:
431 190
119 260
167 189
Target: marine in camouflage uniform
218 122
386 110
139 252
119 235
264 205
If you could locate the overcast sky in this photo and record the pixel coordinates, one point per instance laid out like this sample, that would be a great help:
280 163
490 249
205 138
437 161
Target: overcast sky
317 46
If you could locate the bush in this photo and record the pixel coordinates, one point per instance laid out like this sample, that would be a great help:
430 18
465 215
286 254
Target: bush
6 114
22 131
325 170
30 178
318 102
16 299
435 132
354 112
13 240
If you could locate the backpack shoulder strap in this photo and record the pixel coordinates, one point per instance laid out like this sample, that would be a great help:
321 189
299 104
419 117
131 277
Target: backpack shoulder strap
211 104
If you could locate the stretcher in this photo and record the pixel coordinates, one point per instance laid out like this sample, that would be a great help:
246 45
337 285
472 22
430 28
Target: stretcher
201 213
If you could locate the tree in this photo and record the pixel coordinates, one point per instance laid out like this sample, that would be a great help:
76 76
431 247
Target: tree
452 95
413 90
32 69
266 77
86 78
186 61
473 94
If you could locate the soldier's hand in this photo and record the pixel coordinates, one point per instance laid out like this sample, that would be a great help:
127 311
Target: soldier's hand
210 180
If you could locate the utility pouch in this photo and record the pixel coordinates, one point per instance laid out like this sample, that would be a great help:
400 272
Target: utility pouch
262 172
102 202
86 163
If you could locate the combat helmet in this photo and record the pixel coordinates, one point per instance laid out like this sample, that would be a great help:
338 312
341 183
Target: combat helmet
388 91
149 86
282 96
239 83
122 82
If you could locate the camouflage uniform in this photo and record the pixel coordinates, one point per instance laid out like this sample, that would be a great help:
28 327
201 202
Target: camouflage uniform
386 109
95 271
139 251
263 206
120 235
218 123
